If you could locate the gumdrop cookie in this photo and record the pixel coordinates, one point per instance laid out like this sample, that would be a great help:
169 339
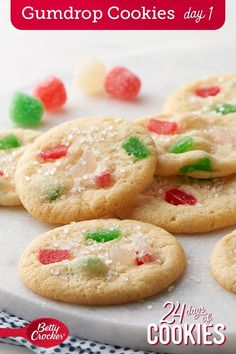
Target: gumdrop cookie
85 169
216 95
186 205
102 262
196 145
13 144
223 262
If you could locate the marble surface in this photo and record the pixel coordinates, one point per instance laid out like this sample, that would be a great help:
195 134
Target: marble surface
162 70
10 349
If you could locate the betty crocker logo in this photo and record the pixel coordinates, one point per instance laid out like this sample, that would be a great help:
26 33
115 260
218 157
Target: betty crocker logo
43 332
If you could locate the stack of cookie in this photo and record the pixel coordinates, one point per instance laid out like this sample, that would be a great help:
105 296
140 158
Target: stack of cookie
195 179
88 169
175 170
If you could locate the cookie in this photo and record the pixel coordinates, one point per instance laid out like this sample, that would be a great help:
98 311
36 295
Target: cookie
102 262
13 143
223 262
215 94
85 169
196 145
186 205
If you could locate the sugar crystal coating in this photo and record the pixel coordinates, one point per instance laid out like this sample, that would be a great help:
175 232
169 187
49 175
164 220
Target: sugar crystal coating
136 147
9 141
121 83
90 76
183 144
51 92
84 158
26 110
103 235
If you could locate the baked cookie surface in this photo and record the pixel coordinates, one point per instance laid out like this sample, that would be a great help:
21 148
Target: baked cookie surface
102 262
196 145
215 94
13 144
85 169
186 205
223 262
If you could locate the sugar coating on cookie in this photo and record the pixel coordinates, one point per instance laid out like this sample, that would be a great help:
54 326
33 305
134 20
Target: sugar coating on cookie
13 143
223 262
85 169
216 95
186 205
102 262
196 145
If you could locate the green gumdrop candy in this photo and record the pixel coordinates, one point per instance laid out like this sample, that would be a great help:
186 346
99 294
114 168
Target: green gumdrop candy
225 108
136 147
90 265
53 194
184 144
103 235
203 164
9 142
26 110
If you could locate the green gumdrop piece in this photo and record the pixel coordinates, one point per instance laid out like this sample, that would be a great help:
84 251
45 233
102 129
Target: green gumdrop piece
203 164
26 110
9 142
225 108
136 147
53 194
90 265
184 144
103 235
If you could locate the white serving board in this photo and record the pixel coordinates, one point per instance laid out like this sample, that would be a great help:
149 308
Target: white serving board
162 71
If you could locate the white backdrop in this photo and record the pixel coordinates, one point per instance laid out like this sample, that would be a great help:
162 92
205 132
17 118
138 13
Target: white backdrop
26 56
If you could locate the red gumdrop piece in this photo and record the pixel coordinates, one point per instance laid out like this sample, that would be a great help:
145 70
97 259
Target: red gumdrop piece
104 179
176 196
122 83
208 91
162 126
54 153
47 256
51 92
143 257
1 173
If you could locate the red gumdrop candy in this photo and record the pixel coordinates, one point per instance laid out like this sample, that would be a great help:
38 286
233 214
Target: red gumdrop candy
143 257
51 92
122 83
104 179
208 91
47 256
177 197
54 153
1 173
162 126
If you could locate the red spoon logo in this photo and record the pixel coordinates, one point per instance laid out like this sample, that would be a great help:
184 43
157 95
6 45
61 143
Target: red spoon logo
43 332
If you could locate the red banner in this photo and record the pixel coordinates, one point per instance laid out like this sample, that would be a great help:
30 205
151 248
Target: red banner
117 14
